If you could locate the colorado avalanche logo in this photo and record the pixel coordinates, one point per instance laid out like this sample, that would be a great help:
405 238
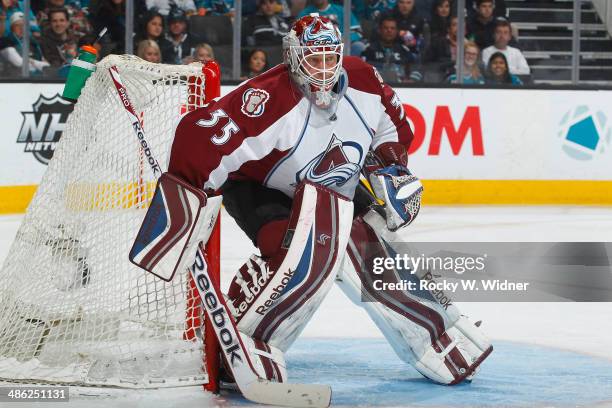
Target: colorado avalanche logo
320 33
335 166
254 102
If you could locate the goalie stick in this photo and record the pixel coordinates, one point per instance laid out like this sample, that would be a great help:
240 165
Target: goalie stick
249 383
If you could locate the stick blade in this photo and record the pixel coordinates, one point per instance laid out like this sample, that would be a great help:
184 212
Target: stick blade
289 395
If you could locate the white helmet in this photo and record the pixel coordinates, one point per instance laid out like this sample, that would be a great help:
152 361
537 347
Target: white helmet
313 53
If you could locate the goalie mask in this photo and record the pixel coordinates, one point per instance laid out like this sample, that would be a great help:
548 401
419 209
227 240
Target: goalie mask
313 53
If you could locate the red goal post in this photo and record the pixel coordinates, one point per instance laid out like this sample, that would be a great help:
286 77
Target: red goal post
213 253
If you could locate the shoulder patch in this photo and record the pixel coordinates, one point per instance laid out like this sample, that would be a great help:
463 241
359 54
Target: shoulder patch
254 102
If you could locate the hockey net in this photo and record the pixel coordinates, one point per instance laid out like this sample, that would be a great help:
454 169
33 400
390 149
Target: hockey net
73 309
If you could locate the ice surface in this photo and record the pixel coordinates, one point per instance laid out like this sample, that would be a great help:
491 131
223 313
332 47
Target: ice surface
546 354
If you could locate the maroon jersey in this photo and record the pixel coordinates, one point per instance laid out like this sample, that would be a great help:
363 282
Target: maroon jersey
266 131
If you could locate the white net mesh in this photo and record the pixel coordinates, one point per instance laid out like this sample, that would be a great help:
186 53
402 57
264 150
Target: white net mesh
73 309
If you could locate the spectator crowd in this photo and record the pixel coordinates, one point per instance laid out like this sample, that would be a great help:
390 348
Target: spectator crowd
406 40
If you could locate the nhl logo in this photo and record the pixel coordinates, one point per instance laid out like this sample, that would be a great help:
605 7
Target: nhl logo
254 102
42 127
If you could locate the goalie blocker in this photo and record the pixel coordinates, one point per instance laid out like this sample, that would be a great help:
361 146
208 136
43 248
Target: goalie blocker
179 217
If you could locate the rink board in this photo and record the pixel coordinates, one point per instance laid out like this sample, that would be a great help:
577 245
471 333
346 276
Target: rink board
471 146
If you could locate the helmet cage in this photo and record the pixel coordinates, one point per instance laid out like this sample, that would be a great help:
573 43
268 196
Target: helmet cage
313 51
318 66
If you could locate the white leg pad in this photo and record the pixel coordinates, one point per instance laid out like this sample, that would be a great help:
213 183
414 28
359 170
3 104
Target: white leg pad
436 339
273 300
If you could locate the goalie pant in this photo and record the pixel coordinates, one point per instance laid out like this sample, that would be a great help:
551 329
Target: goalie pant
273 299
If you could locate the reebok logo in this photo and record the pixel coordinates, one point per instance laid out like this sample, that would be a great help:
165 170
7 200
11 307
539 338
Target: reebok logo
251 290
226 331
277 292
145 148
439 295
155 167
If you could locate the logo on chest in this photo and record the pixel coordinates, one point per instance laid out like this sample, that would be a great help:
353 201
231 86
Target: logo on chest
335 166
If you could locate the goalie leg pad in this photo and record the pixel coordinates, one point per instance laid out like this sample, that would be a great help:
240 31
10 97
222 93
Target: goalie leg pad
179 217
273 300
434 337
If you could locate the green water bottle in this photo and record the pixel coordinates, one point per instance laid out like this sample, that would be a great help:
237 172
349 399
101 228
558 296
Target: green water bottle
80 70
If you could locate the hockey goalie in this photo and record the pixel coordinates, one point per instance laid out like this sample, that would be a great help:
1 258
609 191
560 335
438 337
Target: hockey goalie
285 152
